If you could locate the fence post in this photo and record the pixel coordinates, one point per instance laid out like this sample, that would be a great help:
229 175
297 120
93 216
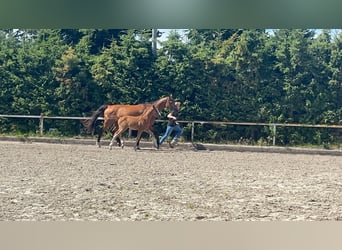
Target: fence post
129 133
41 124
274 134
192 131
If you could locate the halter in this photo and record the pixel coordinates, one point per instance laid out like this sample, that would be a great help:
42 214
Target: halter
154 107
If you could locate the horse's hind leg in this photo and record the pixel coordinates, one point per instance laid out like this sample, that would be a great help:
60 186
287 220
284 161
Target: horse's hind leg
106 124
119 142
98 143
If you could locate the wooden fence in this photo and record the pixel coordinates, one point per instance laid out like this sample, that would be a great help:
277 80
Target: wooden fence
273 126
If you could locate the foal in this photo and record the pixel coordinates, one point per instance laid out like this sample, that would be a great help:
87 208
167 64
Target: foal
143 122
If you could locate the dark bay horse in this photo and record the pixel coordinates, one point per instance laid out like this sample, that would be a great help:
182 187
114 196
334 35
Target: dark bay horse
111 114
141 123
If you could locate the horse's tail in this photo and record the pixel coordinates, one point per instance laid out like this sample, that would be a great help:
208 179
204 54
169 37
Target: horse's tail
90 123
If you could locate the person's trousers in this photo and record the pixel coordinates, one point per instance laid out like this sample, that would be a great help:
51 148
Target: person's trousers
169 130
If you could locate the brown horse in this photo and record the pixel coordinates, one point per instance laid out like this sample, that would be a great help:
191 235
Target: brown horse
112 113
143 122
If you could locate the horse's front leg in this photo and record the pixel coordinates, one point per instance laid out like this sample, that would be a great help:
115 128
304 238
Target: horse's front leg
154 138
136 146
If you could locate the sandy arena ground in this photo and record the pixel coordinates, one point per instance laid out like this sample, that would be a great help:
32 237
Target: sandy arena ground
57 182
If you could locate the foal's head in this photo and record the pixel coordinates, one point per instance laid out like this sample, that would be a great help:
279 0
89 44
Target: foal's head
151 112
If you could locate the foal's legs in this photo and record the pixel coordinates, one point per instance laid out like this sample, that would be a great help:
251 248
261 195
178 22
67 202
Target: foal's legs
155 138
114 128
119 141
152 134
117 134
110 122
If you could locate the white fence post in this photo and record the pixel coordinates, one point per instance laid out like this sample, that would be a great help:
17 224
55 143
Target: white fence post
41 124
274 134
192 131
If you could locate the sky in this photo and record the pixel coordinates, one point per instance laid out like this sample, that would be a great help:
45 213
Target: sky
166 33
180 31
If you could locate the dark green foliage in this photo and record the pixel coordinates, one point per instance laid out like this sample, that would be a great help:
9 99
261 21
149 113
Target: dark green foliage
284 76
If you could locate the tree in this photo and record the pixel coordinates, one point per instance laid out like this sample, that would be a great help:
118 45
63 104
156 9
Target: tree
8 67
124 70
334 114
318 91
182 73
98 38
28 59
294 65
287 75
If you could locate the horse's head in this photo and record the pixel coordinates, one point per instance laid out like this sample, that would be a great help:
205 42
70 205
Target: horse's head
170 103
165 102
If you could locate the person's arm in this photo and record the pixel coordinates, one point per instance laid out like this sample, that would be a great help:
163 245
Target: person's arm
170 116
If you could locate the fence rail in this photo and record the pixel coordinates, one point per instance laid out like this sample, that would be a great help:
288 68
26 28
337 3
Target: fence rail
192 123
